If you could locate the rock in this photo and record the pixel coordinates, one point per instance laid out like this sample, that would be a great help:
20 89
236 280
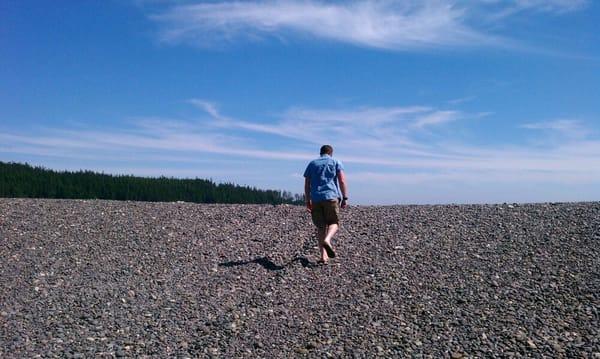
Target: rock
311 345
191 280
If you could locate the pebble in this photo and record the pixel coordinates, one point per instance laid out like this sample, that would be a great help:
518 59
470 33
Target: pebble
198 280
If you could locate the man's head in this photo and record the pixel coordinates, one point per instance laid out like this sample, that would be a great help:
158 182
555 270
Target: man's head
326 150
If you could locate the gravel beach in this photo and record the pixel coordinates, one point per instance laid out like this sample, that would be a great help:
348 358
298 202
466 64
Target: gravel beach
129 279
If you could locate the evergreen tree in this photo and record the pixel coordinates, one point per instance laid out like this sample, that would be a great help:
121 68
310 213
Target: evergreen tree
23 180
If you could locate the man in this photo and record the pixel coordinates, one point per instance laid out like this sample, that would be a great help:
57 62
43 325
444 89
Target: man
322 195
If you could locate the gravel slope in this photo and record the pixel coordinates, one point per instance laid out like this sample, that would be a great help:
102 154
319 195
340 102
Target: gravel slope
102 278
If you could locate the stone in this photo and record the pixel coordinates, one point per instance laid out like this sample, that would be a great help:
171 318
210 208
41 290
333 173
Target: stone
407 281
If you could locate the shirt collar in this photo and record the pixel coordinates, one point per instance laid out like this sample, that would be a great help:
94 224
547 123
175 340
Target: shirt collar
325 155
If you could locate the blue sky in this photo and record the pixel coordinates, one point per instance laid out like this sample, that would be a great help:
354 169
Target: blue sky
432 101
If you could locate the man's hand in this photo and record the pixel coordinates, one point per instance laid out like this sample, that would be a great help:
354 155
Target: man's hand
309 206
344 203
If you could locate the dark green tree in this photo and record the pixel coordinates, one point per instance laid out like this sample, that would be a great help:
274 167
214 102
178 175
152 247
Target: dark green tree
23 180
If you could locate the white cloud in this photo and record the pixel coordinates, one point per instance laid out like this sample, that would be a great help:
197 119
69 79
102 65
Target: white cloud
566 127
377 128
395 25
436 118
500 10
558 6
382 143
383 24
460 100
476 176
207 106
166 136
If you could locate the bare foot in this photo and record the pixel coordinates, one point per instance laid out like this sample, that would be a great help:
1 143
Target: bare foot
329 249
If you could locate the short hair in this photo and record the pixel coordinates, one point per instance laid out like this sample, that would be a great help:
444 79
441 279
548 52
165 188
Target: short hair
326 149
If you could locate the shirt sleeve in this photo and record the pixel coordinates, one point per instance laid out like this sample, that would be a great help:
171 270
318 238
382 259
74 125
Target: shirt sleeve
339 166
307 171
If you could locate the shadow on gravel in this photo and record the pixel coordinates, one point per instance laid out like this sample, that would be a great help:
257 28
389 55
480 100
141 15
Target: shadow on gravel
268 264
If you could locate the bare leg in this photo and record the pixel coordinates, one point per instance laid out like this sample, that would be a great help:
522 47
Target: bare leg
331 231
322 232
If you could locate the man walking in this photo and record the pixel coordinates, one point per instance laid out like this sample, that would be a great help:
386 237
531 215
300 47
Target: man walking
322 195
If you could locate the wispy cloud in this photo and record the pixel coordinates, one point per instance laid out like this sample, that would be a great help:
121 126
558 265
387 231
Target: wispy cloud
436 118
480 176
383 143
379 128
383 24
552 5
460 100
380 24
565 127
166 136
507 8
207 106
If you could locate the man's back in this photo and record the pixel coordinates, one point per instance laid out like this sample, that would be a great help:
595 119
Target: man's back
323 175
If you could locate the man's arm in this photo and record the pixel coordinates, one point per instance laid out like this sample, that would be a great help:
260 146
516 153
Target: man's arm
343 187
307 194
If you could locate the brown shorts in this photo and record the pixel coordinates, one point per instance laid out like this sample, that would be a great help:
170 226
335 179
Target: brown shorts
325 213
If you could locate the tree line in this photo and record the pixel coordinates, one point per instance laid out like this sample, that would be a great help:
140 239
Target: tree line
23 180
